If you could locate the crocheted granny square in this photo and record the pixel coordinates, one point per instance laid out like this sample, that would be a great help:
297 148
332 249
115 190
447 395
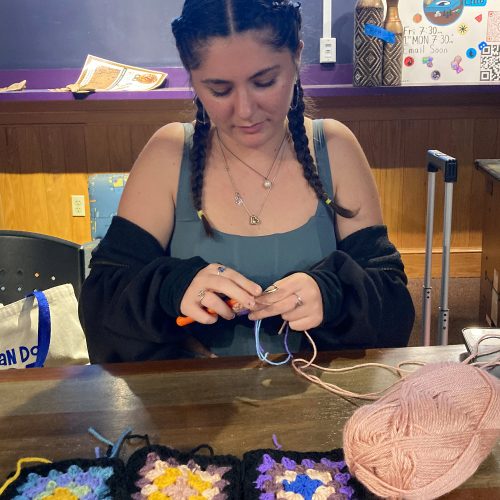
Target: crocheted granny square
86 479
273 474
161 473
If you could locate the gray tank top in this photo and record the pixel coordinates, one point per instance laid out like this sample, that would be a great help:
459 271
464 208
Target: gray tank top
263 259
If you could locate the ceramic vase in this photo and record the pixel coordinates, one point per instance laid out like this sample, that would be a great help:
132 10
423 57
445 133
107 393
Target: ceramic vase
368 49
392 67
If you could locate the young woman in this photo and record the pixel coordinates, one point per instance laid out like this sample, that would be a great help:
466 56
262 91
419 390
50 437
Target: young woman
251 202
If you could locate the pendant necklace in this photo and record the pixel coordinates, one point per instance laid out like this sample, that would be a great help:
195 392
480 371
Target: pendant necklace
268 183
253 218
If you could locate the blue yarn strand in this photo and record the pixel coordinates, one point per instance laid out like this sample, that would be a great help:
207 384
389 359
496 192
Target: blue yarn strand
115 447
263 356
100 437
285 342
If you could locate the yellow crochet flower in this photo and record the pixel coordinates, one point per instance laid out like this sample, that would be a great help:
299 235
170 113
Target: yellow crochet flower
61 494
168 477
158 495
197 483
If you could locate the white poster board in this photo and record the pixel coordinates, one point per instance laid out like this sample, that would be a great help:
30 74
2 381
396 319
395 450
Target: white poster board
451 41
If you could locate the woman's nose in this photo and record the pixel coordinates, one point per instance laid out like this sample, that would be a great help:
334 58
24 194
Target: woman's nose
244 105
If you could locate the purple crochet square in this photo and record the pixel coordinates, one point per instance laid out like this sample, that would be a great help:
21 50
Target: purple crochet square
274 474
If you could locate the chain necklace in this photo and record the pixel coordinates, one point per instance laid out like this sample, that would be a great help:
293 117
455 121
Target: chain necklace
253 218
268 183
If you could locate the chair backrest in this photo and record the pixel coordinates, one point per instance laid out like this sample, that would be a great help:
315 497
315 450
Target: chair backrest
105 191
30 261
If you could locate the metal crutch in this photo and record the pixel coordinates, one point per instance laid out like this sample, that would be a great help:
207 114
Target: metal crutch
448 165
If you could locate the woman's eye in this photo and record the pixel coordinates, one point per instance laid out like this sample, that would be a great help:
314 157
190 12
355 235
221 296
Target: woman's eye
220 93
267 83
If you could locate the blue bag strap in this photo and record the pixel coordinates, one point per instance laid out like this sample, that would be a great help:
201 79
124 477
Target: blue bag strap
44 329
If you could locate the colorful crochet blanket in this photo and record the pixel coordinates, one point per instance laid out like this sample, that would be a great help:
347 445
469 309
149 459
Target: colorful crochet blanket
158 472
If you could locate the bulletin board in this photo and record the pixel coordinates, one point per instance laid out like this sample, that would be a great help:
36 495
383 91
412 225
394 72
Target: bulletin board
451 41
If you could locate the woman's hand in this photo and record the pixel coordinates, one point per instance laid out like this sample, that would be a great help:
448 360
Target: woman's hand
296 298
209 285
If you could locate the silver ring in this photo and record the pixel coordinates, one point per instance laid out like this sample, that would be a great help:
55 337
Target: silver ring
299 301
201 295
220 270
271 289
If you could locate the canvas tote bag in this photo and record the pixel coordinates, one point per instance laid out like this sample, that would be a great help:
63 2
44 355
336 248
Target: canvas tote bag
42 329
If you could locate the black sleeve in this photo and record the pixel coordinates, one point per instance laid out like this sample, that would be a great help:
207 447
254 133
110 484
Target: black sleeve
132 295
365 299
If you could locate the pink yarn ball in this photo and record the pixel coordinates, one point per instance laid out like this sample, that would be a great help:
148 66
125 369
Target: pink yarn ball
427 435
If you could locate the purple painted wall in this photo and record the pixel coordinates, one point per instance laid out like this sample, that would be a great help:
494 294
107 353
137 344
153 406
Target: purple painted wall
60 33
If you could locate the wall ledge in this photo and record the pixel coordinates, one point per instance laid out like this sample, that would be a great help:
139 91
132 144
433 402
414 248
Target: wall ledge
318 81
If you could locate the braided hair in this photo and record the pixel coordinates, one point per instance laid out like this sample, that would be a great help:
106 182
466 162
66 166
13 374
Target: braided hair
300 143
200 21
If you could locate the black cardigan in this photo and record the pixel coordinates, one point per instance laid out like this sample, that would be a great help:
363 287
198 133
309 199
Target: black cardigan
365 299
129 301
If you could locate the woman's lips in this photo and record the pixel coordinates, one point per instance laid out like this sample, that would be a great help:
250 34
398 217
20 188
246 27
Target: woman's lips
251 129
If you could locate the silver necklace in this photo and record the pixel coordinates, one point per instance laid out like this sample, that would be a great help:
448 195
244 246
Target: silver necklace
268 183
254 219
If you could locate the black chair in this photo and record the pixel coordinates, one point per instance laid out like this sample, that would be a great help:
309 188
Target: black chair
30 261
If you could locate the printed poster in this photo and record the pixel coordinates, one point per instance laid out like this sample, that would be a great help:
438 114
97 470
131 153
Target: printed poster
451 41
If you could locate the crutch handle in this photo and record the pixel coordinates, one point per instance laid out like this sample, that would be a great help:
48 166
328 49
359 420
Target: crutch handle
440 161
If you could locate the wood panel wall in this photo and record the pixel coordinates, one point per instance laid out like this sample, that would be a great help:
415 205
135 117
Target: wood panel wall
396 132
48 149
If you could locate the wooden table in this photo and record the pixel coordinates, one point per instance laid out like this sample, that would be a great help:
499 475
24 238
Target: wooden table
233 404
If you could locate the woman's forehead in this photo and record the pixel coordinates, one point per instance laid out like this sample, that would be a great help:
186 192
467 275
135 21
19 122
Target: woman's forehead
246 52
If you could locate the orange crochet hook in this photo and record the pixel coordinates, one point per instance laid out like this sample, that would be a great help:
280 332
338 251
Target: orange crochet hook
186 320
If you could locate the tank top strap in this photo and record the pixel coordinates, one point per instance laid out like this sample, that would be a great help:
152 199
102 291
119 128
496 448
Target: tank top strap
184 209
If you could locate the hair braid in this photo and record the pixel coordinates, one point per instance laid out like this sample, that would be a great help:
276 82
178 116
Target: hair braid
198 162
301 146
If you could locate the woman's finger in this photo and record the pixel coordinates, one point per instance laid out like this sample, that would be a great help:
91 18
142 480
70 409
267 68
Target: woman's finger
243 282
296 298
228 287
272 294
208 285
281 307
301 324
199 314
215 305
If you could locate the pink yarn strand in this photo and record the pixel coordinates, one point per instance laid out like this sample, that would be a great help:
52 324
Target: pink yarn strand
476 354
300 365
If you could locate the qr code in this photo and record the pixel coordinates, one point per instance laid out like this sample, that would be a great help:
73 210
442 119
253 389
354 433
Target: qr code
490 63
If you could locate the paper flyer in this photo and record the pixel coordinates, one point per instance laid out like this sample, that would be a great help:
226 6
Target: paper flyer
102 75
451 41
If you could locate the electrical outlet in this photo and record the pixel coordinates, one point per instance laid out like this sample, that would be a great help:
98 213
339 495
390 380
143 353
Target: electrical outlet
78 205
327 50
